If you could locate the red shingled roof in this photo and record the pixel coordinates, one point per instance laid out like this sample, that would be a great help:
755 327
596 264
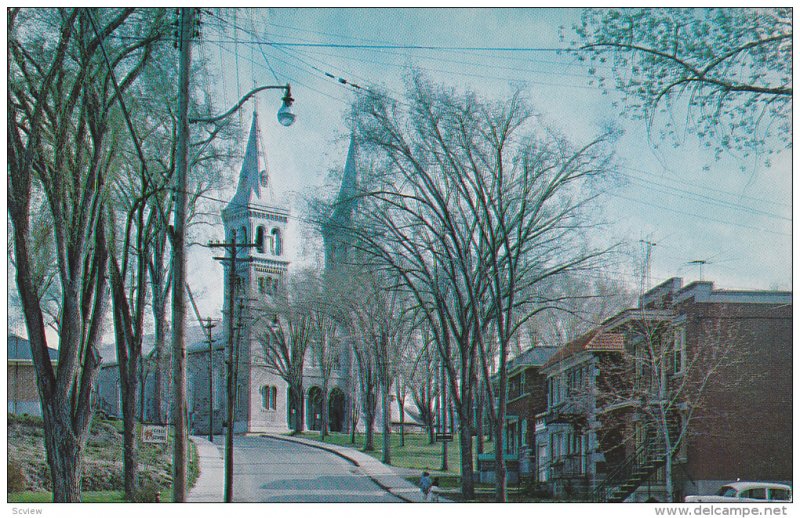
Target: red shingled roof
594 340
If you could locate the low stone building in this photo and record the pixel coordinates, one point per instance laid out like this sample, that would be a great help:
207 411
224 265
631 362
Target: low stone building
23 395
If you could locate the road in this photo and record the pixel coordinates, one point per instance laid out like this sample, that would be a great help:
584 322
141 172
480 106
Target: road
271 470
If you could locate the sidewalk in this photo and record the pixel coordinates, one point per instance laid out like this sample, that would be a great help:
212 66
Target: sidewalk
208 487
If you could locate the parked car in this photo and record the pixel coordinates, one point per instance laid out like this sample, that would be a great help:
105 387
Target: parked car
747 492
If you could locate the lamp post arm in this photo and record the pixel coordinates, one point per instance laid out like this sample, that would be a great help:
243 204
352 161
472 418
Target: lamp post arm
238 105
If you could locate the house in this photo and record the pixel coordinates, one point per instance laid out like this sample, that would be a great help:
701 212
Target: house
23 394
741 426
573 445
526 397
700 394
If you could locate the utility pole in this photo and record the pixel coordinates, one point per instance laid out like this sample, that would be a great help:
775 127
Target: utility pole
209 326
179 461
233 247
699 263
648 256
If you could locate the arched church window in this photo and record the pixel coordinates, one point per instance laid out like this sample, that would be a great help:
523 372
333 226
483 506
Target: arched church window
277 241
265 392
273 398
241 237
260 239
262 285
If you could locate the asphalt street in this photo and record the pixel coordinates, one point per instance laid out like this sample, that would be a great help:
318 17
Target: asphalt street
270 470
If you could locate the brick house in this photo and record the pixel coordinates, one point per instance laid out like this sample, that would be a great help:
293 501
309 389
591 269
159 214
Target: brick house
723 358
527 396
572 446
23 395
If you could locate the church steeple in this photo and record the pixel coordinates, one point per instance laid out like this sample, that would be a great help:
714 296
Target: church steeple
346 201
336 231
253 188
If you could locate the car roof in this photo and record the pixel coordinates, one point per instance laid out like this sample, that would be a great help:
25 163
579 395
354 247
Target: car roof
741 486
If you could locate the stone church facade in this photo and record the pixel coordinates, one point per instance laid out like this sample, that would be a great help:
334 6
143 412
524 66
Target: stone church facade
262 396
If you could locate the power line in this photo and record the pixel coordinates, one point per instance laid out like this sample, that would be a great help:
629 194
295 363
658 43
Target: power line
666 189
684 213
710 189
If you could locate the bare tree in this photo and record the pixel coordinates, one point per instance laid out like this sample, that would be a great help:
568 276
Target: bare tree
474 215
326 345
60 119
421 375
286 335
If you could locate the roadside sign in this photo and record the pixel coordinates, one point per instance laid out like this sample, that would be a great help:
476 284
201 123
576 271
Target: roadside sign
444 437
154 433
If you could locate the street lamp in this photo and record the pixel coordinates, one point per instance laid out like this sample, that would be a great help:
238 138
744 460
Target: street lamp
285 114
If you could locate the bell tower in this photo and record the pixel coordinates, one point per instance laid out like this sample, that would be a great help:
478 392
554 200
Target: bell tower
255 218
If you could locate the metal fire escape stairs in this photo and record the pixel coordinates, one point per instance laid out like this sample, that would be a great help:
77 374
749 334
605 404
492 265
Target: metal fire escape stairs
632 472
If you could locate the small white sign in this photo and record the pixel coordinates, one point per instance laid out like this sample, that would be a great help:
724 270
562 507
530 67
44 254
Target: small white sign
154 433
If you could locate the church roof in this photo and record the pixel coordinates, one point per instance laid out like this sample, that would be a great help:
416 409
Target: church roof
253 188
346 201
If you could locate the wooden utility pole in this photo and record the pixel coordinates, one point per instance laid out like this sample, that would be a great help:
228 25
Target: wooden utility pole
209 326
179 461
232 259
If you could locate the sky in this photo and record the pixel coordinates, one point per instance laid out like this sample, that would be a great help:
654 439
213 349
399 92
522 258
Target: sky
735 215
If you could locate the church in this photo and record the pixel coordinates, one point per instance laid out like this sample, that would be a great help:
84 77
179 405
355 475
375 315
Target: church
262 396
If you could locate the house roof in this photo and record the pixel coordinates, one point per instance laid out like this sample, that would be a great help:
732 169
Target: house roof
20 349
595 340
533 357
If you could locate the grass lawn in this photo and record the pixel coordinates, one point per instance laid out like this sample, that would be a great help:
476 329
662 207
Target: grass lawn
416 454
46 497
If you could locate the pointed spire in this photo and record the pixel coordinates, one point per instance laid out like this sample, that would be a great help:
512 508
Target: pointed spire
254 176
346 201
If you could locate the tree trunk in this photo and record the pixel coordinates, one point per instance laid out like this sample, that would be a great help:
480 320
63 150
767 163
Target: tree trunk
443 420
387 426
161 385
401 403
323 429
353 419
64 455
479 419
499 463
129 457
369 421
298 421
467 467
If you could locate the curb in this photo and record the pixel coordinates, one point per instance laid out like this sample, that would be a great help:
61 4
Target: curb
336 451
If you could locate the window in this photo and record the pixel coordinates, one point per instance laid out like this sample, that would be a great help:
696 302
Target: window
780 494
269 396
264 396
759 493
679 350
262 285
260 239
277 241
